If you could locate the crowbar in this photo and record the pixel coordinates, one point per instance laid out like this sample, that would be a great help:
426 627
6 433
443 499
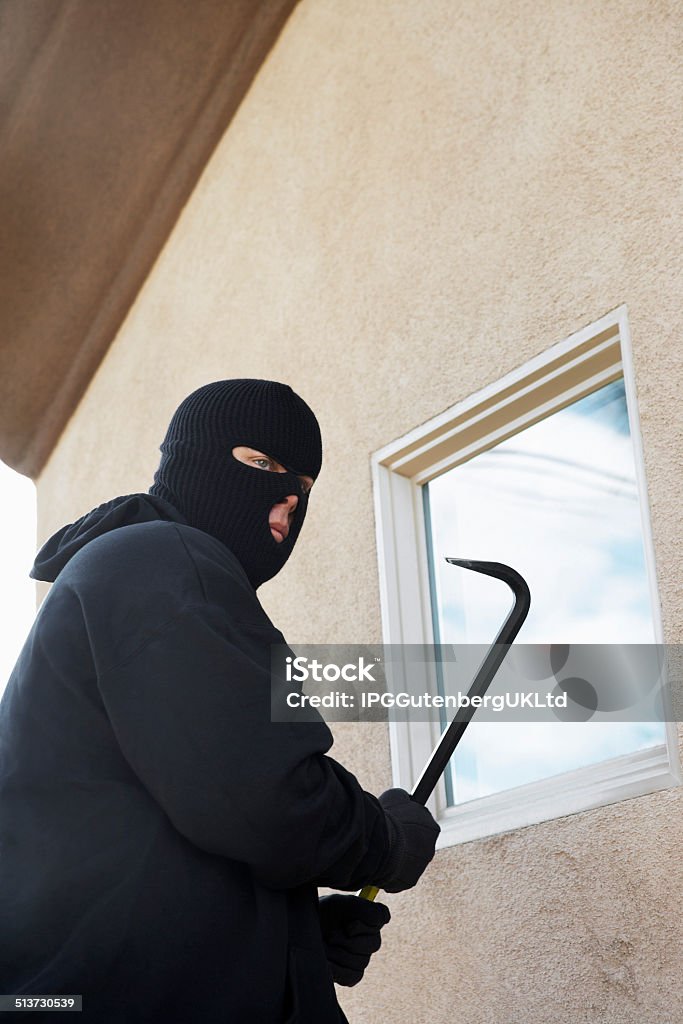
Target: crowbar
449 740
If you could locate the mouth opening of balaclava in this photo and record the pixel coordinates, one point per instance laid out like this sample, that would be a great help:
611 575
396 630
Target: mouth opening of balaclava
230 500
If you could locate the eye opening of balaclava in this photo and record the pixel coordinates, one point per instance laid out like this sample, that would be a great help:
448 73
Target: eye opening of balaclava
226 498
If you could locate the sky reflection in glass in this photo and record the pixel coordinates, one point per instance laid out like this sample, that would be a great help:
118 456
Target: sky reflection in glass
558 502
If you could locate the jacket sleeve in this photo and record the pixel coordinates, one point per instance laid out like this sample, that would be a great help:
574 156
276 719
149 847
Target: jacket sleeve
191 713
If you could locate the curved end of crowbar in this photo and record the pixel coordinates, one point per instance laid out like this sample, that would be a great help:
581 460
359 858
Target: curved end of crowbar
500 571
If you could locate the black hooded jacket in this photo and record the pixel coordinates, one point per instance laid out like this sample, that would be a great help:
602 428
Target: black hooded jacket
161 839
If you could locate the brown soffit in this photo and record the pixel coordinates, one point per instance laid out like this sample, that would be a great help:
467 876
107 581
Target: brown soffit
109 111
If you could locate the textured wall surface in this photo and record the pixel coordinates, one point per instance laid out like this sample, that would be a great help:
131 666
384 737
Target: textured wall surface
413 200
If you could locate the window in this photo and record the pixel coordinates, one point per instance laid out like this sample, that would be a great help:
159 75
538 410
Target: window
543 471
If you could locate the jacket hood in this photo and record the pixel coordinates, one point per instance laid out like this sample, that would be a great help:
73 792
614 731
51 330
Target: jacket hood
122 511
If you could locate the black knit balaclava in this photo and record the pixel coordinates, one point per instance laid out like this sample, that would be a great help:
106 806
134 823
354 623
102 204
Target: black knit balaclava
230 500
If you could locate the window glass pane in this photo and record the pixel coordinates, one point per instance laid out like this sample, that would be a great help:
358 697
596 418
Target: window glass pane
558 502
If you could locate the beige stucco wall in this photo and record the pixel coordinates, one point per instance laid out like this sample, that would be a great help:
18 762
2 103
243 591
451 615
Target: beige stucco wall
413 200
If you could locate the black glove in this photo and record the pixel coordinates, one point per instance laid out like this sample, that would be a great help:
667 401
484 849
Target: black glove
350 928
412 835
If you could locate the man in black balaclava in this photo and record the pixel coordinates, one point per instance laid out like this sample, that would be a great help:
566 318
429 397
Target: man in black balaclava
161 839
223 495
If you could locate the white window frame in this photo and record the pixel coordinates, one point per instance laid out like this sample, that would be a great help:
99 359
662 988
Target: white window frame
566 372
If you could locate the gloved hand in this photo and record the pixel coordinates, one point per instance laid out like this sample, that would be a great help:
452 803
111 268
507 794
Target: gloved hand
350 928
412 834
